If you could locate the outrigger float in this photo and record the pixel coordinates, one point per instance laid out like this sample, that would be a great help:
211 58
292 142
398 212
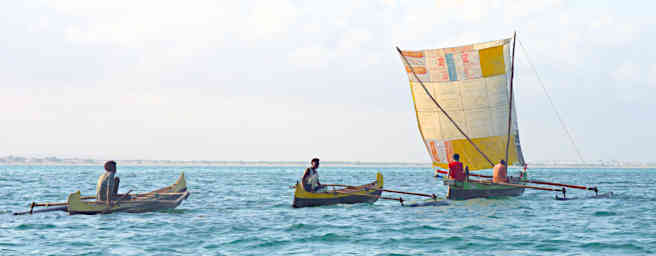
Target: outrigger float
165 198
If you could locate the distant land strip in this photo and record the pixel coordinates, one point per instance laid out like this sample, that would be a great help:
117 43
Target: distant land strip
19 160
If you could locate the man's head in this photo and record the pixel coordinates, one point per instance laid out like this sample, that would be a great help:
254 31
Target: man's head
456 157
110 166
315 162
502 162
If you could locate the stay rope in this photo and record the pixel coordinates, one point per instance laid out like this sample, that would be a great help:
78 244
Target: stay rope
553 106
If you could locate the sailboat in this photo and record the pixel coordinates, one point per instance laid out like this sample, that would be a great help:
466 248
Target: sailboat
463 100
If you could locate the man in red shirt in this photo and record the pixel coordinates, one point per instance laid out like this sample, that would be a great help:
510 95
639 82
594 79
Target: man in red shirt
455 169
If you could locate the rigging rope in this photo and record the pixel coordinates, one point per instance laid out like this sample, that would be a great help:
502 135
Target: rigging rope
544 88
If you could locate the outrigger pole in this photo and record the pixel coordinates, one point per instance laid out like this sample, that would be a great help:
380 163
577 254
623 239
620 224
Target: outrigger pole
442 109
595 189
387 190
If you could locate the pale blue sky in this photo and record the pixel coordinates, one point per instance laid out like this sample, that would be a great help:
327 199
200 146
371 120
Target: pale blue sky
291 80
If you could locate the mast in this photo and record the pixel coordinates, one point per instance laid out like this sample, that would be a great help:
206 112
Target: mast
444 111
510 99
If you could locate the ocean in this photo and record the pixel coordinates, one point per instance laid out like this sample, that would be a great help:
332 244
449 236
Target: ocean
247 211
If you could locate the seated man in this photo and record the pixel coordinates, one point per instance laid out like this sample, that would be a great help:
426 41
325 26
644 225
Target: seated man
107 186
455 169
310 178
500 172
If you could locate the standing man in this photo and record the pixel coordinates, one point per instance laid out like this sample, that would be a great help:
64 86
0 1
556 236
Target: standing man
455 169
311 177
500 172
107 186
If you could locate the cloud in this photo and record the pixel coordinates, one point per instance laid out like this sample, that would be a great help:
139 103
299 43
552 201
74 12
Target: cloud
178 25
270 18
627 72
311 56
652 76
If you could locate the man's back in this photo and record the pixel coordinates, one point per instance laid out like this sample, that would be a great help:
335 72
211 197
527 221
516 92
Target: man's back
455 171
500 173
105 183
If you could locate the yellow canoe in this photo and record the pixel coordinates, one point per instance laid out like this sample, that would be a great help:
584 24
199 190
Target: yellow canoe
368 193
162 199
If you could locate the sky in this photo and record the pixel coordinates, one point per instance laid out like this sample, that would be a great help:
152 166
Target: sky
291 80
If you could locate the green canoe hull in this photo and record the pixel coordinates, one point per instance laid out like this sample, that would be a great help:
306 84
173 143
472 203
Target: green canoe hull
468 190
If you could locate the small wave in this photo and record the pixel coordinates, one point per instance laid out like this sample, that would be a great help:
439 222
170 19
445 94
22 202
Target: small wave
243 241
472 228
212 246
81 244
604 213
332 237
328 237
35 226
599 245
453 239
301 226
420 228
176 211
275 243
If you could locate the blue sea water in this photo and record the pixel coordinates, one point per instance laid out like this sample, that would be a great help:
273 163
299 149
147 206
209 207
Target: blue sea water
247 211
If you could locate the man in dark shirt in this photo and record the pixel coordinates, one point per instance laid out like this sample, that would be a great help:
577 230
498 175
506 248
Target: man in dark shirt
107 185
455 169
310 178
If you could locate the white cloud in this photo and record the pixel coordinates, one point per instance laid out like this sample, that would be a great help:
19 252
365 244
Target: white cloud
627 73
354 39
269 18
652 76
311 56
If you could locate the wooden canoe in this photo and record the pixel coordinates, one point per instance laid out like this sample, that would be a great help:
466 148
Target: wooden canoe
162 199
469 190
368 193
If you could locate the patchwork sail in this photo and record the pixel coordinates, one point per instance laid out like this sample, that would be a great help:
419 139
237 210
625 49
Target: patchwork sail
471 84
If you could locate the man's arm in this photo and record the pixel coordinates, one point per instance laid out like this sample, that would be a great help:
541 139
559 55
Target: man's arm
450 172
108 199
305 174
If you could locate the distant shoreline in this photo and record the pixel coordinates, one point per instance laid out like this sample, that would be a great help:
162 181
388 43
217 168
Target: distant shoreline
54 161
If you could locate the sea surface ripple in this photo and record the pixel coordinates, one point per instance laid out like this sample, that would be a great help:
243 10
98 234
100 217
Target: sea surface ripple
247 211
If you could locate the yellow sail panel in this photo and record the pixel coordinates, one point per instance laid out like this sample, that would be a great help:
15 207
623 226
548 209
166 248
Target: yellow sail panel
471 84
494 147
492 61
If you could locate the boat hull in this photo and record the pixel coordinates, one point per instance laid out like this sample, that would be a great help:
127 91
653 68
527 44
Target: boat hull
162 199
368 193
469 190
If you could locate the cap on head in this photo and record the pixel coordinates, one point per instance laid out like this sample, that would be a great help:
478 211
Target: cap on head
110 165
456 157
503 162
